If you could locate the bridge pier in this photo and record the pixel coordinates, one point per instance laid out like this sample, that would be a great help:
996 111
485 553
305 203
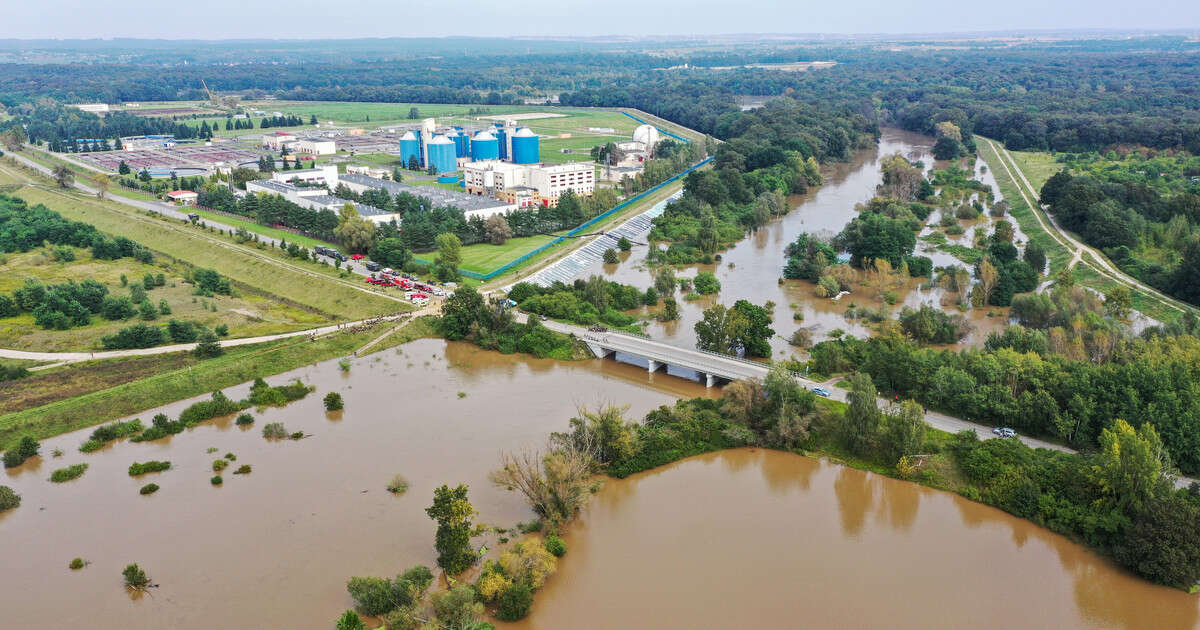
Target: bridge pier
654 366
710 380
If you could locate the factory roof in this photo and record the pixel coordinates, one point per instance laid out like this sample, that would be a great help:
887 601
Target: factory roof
438 196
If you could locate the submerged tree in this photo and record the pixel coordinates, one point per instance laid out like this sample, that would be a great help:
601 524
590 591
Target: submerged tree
454 514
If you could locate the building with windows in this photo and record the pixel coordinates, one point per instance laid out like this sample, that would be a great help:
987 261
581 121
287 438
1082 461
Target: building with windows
471 205
326 175
545 183
315 198
314 146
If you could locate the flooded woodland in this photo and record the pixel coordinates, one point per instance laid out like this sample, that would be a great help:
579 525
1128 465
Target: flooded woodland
741 538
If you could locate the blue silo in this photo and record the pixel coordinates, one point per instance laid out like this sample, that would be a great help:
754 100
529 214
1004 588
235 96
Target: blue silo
484 146
525 147
502 139
441 155
410 147
462 143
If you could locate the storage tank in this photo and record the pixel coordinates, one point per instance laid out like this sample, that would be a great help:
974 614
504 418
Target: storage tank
441 155
525 148
484 146
410 147
647 135
502 139
462 143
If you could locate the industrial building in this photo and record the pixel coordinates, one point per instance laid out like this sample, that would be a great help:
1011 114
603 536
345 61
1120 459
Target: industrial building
471 205
314 146
525 184
323 175
317 199
275 141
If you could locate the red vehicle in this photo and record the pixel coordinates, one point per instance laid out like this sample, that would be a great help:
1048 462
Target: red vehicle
356 256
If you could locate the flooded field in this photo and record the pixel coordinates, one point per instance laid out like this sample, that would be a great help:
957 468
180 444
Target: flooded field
763 539
751 269
273 549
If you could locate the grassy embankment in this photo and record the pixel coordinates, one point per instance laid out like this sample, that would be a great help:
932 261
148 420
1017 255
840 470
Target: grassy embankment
85 394
1088 272
266 270
245 314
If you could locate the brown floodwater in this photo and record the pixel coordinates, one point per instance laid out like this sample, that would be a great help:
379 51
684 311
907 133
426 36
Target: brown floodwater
273 549
752 538
752 268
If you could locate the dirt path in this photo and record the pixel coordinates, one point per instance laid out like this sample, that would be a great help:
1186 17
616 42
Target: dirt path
1096 261
62 358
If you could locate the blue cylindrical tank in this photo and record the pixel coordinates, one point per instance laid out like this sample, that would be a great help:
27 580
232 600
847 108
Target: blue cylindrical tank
484 146
462 143
441 155
502 139
410 147
525 147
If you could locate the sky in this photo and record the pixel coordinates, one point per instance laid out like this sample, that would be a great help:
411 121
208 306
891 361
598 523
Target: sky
313 19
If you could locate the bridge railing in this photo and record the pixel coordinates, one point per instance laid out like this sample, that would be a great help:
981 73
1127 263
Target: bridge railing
708 352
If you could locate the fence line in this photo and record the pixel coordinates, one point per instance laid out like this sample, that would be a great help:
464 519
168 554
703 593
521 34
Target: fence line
660 130
587 224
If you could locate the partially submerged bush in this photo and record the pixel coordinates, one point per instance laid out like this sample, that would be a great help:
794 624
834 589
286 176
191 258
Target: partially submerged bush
274 430
398 484
556 546
27 447
77 564
219 464
515 602
110 432
216 480
67 474
149 488
244 469
333 401
244 419
135 577
9 499
136 469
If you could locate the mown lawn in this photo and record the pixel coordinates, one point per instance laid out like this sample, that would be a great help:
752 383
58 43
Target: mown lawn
484 257
1038 166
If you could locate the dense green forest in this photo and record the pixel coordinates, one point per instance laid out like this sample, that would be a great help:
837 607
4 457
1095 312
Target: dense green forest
1142 211
1065 96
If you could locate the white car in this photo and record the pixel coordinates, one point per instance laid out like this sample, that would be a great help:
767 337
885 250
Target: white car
1004 432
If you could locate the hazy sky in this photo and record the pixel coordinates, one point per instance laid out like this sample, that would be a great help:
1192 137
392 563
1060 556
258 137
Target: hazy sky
220 19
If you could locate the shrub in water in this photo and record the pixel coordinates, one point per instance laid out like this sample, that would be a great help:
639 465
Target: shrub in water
27 447
244 469
77 564
216 480
231 457
149 488
8 498
274 430
135 577
555 545
68 473
136 469
397 485
244 419
515 602
297 435
333 401
219 465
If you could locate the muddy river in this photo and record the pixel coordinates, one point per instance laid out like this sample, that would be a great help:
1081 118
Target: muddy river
752 268
763 539
741 539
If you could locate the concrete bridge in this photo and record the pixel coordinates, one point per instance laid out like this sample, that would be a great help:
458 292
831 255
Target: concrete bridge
711 366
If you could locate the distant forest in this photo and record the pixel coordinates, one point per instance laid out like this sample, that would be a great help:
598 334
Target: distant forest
1064 96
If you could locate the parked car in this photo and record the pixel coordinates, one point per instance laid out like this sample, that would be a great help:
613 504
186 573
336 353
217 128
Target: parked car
1004 432
357 256
193 217
372 266
821 391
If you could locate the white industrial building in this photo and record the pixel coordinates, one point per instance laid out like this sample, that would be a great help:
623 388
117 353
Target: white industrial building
326 175
317 199
471 205
314 146
277 140
546 181
95 108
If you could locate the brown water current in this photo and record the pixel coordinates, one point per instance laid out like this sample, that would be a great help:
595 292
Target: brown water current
273 549
751 269
763 539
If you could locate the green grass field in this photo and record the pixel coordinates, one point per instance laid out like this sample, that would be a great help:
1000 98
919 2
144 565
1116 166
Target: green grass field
110 395
264 230
1056 253
246 315
1037 166
484 257
187 243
